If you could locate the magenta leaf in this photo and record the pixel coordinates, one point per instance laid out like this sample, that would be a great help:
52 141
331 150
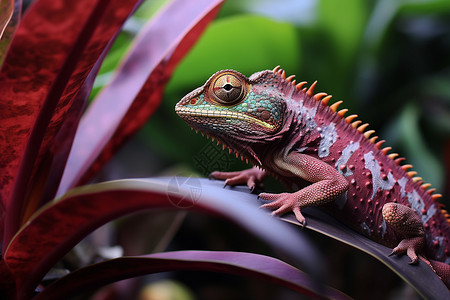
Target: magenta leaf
65 222
237 263
135 92
53 50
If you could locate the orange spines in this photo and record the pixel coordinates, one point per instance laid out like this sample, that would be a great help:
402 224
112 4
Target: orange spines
326 100
386 150
417 179
319 96
368 133
342 112
373 139
406 167
310 91
435 197
299 85
399 160
334 106
379 143
276 69
350 118
411 173
356 123
362 127
290 78
393 155
425 186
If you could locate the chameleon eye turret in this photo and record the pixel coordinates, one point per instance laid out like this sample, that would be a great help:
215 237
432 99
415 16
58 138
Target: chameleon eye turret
228 89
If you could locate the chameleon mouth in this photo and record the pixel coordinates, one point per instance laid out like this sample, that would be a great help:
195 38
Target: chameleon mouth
192 112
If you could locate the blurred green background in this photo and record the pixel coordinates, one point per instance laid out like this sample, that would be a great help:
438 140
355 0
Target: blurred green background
388 60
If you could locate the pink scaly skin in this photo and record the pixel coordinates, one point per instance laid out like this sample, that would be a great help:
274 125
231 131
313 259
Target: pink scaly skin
286 130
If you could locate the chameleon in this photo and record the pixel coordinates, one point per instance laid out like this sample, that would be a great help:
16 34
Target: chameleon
285 129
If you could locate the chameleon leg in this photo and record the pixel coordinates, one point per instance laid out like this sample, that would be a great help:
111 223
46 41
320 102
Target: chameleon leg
407 223
327 184
251 177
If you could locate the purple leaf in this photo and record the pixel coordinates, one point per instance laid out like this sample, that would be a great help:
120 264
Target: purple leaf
65 222
237 263
55 47
135 92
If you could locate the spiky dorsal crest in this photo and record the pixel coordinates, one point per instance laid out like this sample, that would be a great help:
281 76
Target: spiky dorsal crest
362 129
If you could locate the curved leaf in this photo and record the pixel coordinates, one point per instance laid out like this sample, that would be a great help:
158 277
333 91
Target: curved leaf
55 47
135 92
65 222
237 263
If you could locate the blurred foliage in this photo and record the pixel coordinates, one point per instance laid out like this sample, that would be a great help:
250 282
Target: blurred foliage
388 60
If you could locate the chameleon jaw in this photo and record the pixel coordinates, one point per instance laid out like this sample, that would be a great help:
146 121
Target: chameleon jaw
187 111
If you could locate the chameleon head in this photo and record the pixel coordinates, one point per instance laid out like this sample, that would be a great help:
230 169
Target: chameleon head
227 108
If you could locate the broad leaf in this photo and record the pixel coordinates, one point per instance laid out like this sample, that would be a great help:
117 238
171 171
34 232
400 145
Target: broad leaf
135 92
53 50
237 263
84 209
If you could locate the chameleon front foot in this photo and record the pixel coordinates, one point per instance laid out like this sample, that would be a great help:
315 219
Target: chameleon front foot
251 177
283 203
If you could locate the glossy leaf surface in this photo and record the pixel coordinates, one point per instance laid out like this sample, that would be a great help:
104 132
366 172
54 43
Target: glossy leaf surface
86 208
237 263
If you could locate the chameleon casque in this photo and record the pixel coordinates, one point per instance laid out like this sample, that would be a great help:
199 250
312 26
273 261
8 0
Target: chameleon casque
286 130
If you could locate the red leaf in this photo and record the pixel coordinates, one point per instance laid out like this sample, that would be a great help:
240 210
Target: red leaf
59 226
54 49
135 92
237 263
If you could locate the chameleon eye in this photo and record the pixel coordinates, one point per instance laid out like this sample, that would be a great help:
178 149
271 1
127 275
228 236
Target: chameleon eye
228 88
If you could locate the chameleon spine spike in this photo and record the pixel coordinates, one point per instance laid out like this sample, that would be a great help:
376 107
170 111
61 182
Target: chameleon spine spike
299 85
431 191
368 133
283 74
310 91
326 100
229 150
319 96
293 82
435 197
335 105
350 118
223 146
406 167
356 123
290 78
379 143
373 139
416 179
393 155
342 112
237 155
411 173
246 160
386 150
362 127
425 186
399 160
276 69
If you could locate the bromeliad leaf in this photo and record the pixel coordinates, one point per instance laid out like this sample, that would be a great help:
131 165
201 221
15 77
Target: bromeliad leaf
84 209
237 263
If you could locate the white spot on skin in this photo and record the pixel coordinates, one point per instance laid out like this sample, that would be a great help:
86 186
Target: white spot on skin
329 137
377 182
383 228
346 154
416 202
307 117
